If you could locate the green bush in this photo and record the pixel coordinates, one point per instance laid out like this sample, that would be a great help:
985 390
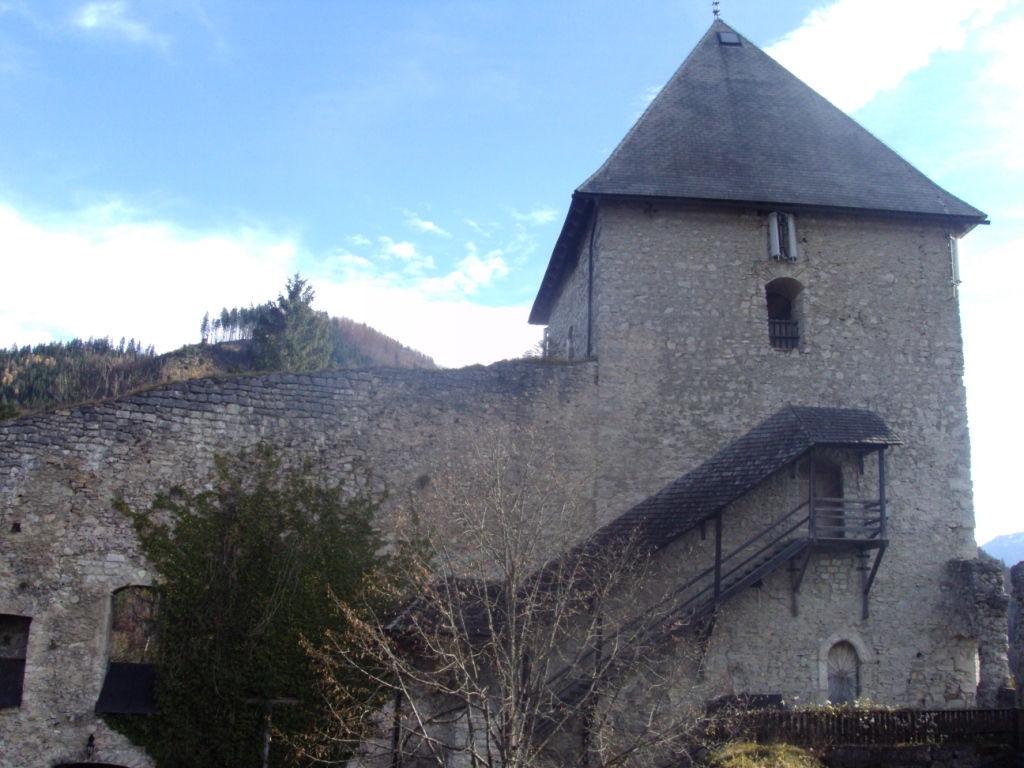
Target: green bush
248 570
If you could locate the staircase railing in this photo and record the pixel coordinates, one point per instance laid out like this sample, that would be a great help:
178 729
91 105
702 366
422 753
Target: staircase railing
841 518
828 519
698 596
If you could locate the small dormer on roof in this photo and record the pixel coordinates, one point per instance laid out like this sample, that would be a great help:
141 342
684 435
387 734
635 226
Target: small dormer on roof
734 127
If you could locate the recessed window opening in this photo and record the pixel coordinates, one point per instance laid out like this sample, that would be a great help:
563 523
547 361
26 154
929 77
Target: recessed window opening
128 685
783 323
843 674
133 625
13 649
782 236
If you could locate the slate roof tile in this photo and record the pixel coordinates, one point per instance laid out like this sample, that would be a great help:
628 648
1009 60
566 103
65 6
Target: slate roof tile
743 464
734 127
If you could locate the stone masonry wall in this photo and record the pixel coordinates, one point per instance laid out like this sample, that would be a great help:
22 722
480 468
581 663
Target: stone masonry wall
571 309
680 331
64 550
686 366
1017 579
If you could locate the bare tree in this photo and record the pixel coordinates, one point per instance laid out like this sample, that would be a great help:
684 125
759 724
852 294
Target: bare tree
513 642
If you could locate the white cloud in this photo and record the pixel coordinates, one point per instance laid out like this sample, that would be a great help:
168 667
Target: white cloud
102 272
452 330
997 100
106 271
360 240
472 273
469 276
425 226
414 262
992 272
544 215
112 16
852 50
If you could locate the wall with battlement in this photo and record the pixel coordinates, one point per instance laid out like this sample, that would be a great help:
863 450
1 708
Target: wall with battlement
64 549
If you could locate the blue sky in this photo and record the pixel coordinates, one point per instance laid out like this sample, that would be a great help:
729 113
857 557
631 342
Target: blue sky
415 159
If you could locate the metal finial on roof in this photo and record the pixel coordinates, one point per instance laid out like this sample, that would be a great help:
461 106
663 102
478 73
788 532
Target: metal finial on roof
715 9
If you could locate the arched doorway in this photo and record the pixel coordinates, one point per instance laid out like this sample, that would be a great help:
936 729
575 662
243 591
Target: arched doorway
828 500
843 673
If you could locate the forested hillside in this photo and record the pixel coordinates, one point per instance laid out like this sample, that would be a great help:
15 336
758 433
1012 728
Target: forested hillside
283 335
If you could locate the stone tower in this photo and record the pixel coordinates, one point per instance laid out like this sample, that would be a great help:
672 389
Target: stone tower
749 246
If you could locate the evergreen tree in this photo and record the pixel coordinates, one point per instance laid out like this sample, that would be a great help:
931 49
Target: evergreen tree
290 335
247 570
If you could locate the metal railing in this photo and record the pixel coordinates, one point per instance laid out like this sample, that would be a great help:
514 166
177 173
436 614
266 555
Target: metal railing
851 727
847 518
784 334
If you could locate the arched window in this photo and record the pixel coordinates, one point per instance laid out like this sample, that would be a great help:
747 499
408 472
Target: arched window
128 685
783 321
843 674
13 649
133 625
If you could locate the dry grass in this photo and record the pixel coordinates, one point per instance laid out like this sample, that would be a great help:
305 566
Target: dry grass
747 755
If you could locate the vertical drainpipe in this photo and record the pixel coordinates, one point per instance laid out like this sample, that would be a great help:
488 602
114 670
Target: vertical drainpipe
590 282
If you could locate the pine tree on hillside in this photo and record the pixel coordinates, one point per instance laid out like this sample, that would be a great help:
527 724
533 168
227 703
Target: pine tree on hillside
291 335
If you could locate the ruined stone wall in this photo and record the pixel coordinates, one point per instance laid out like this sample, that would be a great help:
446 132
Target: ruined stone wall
976 603
1017 579
64 550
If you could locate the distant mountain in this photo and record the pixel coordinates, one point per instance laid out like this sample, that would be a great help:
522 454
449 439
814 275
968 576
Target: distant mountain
1008 548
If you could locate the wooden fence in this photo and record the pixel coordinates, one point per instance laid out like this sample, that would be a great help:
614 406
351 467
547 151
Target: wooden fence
885 727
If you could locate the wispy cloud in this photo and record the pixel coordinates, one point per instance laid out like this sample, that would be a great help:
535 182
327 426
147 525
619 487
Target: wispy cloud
469 275
472 273
113 16
852 50
417 223
435 314
645 98
414 261
537 217
484 230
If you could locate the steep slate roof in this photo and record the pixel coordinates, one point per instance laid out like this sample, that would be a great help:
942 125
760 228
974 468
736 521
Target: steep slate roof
734 126
740 466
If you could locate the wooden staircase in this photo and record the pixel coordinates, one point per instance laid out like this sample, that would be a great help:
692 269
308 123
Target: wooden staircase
788 541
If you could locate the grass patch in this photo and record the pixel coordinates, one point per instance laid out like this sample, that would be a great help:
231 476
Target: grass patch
748 755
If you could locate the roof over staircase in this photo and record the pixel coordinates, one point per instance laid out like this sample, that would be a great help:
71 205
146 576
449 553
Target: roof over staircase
739 467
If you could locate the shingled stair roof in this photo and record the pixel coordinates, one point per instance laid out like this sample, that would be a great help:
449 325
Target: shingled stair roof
734 127
746 462
695 498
